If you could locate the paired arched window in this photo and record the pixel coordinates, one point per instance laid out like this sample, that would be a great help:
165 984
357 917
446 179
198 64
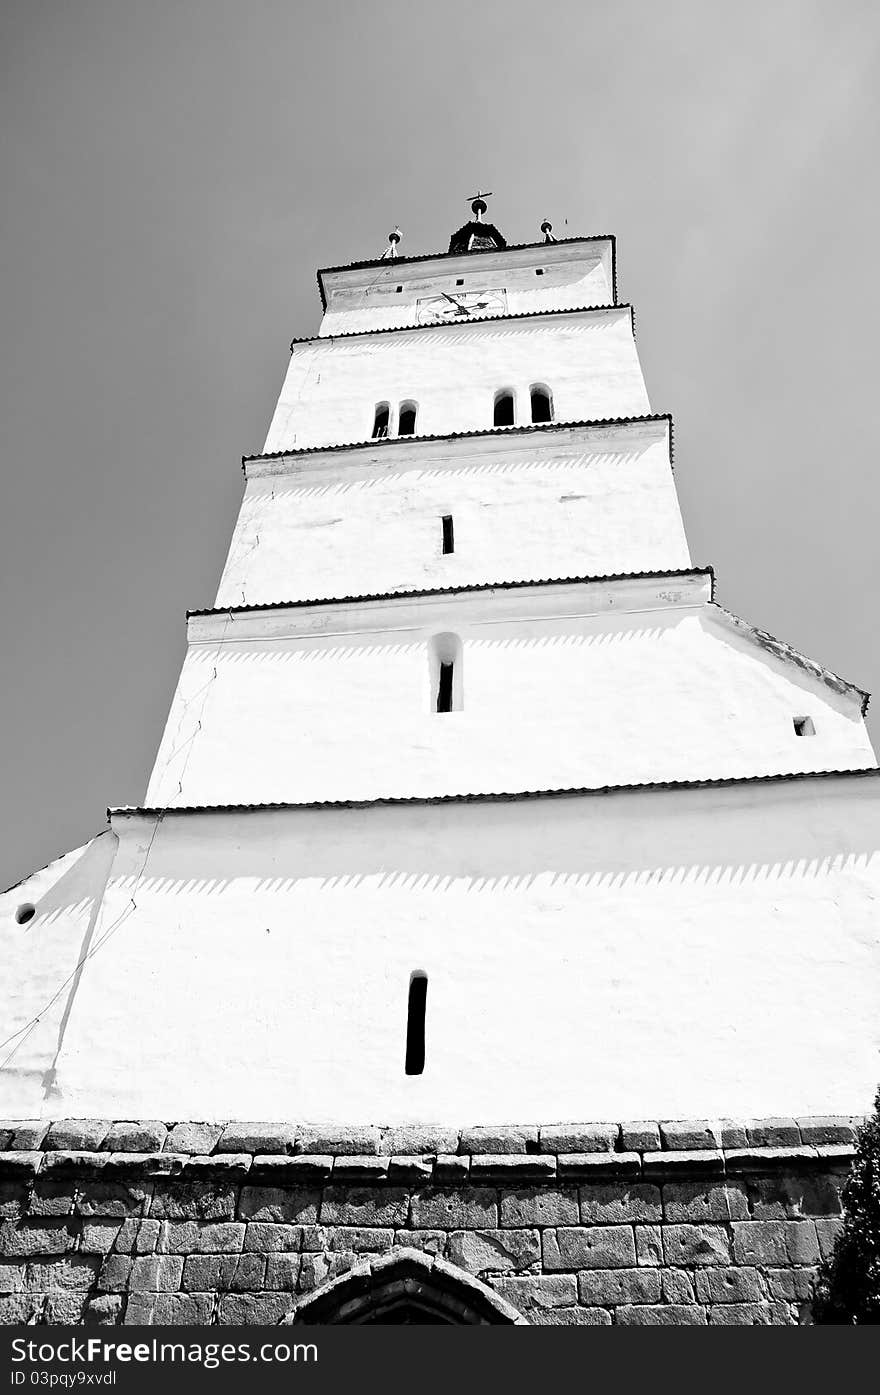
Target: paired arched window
542 402
406 419
381 420
504 410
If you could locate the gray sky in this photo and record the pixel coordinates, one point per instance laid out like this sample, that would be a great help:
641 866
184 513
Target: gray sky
172 173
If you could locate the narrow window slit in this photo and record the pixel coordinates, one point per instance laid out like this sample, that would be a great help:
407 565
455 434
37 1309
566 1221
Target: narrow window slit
444 687
448 534
415 1023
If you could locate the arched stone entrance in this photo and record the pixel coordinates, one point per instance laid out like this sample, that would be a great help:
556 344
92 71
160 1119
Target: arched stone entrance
405 1287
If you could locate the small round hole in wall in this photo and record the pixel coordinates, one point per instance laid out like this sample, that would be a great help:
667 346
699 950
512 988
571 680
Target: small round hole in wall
25 913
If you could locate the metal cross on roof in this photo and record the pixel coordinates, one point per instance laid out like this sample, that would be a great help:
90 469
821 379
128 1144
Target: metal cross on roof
478 206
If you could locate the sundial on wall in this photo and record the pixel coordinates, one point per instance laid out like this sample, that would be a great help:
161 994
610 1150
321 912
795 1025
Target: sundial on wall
466 305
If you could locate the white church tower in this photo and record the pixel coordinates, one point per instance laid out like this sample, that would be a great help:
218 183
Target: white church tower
473 805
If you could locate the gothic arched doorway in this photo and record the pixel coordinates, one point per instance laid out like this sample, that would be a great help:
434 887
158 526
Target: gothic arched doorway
405 1287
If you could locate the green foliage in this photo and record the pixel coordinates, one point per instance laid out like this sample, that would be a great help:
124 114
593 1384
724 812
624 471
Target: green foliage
848 1283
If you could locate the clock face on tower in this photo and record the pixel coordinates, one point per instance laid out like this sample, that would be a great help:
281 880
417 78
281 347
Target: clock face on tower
464 305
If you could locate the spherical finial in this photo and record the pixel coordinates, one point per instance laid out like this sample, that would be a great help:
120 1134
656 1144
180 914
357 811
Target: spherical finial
394 237
478 208
547 230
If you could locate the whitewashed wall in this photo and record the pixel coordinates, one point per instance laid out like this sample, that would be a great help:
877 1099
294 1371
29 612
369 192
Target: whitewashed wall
386 297
673 954
335 702
578 502
453 371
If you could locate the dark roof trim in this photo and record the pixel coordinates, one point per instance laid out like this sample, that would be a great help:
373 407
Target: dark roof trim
457 324
385 442
510 797
380 262
457 590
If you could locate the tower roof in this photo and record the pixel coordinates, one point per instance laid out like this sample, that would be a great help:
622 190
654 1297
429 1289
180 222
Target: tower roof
477 236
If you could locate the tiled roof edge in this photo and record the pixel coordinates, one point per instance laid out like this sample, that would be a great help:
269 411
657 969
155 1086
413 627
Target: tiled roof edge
456 324
521 429
787 653
456 590
379 262
508 797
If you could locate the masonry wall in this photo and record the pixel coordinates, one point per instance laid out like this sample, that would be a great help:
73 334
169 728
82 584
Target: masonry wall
639 1223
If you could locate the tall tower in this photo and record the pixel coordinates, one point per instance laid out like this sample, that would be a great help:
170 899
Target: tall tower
473 805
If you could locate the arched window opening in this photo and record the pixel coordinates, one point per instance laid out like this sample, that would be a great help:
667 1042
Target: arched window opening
406 421
446 673
542 402
415 1023
504 407
380 421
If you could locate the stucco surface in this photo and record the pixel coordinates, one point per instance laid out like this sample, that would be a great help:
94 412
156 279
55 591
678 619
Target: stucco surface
691 953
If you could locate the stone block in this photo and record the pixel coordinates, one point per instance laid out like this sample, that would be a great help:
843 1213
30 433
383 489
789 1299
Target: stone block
702 1201
570 1317
502 1138
208 1273
338 1142
579 1138
259 1137
282 1272
512 1167
827 1129
101 1198
609 1287
454 1210
773 1133
76 1272
801 1242
695 1245
201 1237
174 1201
731 1133
665 1315
790 1285
677 1285
261 1309
754 1160
827 1231
362 1168
640 1136
537 1291
19 1166
250 1271
364 1206
219 1168
269 1236
687 1135
589 1247
494 1251
360 1239
156 1273
415 1171
530 1207
279 1204
69 1164
142 1136
99 1237
740 1284
53 1198
104 1310
28 1134
649 1244
13 1200
18 1308
749 1315
432 1242
176 1309
759 1242
303 1171
607 1204
411 1140
449 1169
12 1277
63 1308
582 1167
77 1135
696 1162
137 1237
193 1138
114 1274
51 1237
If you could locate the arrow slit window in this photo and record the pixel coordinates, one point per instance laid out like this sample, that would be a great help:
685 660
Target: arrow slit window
446 673
415 1023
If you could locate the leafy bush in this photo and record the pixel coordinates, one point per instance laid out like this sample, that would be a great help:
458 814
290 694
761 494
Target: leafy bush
848 1283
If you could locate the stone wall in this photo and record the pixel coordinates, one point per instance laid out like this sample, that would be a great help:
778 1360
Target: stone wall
640 1223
